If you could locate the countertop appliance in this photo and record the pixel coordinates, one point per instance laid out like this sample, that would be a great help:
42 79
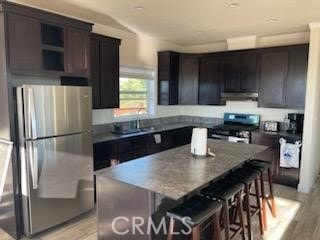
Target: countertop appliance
56 154
295 122
271 126
236 128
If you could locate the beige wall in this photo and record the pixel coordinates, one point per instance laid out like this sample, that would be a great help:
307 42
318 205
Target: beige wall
311 135
135 51
141 51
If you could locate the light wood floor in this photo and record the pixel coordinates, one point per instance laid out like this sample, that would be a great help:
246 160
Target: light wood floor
298 219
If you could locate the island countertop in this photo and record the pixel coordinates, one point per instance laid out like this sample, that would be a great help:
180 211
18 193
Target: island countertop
175 173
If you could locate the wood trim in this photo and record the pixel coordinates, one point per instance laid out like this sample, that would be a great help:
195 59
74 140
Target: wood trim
111 40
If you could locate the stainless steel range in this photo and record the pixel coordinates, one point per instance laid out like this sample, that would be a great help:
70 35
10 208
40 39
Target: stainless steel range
236 128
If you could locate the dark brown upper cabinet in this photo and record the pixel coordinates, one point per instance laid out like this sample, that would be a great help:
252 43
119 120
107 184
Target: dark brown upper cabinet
231 73
46 44
277 74
283 77
53 46
273 75
210 80
95 71
104 71
248 72
188 79
78 51
168 78
24 43
297 77
240 72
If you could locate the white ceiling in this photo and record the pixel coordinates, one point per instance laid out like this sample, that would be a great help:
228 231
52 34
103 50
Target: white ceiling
179 21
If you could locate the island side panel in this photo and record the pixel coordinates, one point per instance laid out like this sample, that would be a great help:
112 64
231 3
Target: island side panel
116 199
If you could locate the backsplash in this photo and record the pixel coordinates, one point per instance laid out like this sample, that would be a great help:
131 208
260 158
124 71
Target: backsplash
103 128
106 128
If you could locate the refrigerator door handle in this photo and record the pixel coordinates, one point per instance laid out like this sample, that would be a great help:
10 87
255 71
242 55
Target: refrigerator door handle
32 129
33 164
6 166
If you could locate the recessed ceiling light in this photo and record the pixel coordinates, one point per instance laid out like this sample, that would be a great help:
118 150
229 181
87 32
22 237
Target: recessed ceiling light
234 5
139 8
273 20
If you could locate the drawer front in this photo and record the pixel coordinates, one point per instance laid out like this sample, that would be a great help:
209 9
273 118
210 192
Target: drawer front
266 139
125 146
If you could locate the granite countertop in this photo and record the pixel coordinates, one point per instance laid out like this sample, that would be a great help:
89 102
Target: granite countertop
105 137
175 173
281 133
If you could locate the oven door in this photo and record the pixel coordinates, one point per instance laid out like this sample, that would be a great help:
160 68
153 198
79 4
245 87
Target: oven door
219 137
238 140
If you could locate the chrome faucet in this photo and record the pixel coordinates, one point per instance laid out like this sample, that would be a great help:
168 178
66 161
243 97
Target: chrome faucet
138 118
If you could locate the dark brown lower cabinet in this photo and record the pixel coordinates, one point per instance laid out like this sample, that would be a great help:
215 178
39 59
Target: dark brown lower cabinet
134 147
284 176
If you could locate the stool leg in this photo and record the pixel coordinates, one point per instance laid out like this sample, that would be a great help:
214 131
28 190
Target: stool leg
216 227
171 228
240 212
196 233
226 220
257 193
273 204
264 204
247 204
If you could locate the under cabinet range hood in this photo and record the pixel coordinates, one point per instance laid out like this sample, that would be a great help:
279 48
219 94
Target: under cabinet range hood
239 96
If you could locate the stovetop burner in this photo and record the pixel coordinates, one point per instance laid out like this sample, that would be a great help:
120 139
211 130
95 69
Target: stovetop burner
234 130
237 125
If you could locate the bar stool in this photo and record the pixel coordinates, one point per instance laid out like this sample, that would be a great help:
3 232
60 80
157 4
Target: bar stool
264 167
249 176
231 195
198 209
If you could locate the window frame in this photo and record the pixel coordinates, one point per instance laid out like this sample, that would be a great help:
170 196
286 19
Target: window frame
140 73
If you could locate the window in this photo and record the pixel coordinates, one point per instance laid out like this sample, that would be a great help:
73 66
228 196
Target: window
136 93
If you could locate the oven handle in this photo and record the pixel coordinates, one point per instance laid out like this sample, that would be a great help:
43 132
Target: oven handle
219 137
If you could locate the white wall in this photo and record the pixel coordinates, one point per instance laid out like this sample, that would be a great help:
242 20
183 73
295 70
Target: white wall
238 107
311 135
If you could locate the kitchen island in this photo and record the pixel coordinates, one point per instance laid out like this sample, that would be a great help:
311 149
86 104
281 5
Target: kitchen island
148 186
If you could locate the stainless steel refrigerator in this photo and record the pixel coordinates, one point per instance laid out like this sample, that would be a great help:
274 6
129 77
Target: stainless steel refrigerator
56 154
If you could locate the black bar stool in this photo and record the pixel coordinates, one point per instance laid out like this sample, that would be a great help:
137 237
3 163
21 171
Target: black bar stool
249 177
264 167
231 195
198 209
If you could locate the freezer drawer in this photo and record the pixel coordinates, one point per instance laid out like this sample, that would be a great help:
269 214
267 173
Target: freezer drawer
59 180
54 110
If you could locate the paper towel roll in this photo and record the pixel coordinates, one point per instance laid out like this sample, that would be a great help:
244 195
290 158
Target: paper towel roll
199 141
